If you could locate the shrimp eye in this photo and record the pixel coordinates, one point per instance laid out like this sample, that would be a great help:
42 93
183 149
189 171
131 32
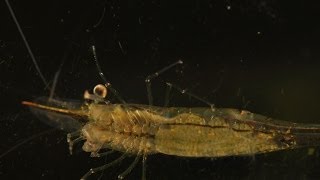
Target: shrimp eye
100 90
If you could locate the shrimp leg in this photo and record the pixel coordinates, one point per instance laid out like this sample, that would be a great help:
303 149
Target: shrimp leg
101 168
156 74
144 166
129 169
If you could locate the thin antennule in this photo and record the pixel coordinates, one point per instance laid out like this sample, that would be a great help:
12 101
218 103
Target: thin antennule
27 44
54 84
102 76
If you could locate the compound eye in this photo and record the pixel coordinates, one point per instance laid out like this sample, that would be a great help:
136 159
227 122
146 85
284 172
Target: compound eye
100 90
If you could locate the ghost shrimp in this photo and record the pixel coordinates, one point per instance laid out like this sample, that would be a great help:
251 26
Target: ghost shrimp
143 130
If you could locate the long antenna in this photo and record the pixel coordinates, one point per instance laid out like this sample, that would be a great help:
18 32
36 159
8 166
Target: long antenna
26 44
103 77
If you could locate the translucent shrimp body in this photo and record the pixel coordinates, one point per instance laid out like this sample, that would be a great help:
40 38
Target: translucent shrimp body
191 132
142 130
188 132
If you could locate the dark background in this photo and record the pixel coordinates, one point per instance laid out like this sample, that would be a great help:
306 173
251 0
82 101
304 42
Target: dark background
261 55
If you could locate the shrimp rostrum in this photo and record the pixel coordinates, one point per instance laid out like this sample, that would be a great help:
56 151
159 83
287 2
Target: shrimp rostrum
142 130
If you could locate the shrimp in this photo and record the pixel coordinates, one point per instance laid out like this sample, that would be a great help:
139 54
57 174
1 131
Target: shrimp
143 130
